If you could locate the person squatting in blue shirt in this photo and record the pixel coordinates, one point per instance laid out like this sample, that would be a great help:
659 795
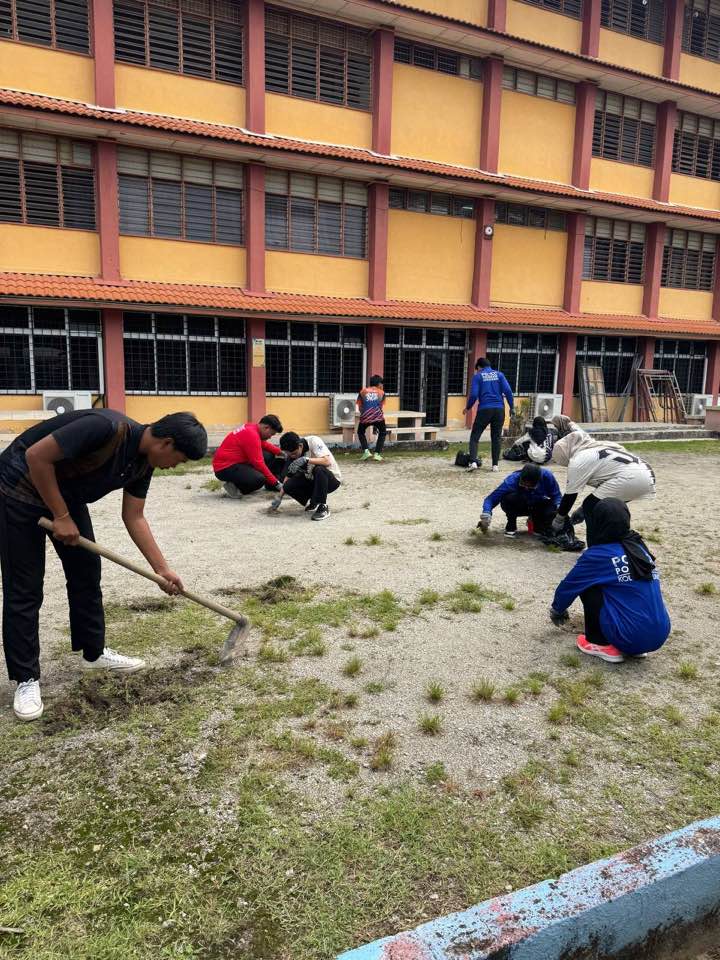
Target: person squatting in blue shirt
487 390
531 492
619 588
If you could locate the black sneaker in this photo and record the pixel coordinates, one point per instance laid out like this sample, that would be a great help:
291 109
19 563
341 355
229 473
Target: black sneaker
322 512
510 529
310 506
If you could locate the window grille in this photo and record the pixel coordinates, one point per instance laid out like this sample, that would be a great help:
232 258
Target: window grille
701 28
696 148
313 359
187 198
624 129
518 215
614 251
417 340
526 359
686 359
311 214
61 24
689 260
638 18
538 85
420 201
185 355
317 59
199 38
433 58
46 181
570 8
45 348
614 354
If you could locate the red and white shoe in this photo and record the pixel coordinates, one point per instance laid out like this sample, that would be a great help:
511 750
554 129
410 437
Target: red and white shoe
609 653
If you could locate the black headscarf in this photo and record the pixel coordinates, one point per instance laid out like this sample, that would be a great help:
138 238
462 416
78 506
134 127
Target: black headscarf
609 522
530 474
539 431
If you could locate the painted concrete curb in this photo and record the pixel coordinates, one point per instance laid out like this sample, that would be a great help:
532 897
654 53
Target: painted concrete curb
647 902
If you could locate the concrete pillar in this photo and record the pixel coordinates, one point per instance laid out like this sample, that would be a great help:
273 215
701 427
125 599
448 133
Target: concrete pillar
113 359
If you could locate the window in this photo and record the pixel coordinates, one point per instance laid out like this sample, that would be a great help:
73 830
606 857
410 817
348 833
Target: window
570 8
313 359
432 58
452 342
686 359
696 149
49 349
638 18
614 354
62 24
517 215
317 59
198 38
624 129
420 201
171 353
315 214
688 260
614 250
701 28
46 181
186 198
526 359
538 85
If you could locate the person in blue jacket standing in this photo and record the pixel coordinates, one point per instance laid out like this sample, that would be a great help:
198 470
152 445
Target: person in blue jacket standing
488 389
619 588
531 492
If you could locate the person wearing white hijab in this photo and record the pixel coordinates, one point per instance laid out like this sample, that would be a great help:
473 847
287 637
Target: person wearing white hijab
606 466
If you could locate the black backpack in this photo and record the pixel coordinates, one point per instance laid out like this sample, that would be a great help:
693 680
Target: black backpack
462 459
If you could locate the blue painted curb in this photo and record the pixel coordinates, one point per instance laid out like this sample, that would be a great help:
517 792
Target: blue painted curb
648 899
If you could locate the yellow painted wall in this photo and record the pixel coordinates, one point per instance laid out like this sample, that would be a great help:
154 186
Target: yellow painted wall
211 411
534 23
630 52
528 266
472 11
613 298
614 405
21 402
455 416
49 250
309 120
41 70
310 273
536 137
157 91
392 404
624 178
181 261
435 116
685 304
430 257
697 72
694 191
302 414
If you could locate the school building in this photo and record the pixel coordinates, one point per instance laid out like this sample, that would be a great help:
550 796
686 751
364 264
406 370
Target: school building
234 206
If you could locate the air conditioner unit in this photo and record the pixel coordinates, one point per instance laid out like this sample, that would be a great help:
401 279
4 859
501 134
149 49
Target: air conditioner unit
342 409
696 403
546 405
65 401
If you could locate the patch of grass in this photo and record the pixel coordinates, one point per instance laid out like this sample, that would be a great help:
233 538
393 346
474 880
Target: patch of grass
374 540
468 597
269 653
350 700
552 548
191 466
534 686
366 505
571 660
367 633
435 692
508 604
436 537
687 670
375 686
413 522
702 447
558 712
428 598
706 589
310 644
349 541
430 724
352 667
383 752
572 758
213 484
673 715
511 695
483 690
435 773
358 743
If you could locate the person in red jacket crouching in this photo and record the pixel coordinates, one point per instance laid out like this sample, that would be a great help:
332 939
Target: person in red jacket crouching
245 461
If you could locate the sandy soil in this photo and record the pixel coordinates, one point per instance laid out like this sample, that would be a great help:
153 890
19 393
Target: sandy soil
215 542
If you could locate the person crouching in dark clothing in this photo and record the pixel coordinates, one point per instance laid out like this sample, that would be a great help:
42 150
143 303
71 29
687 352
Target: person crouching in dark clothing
312 472
531 492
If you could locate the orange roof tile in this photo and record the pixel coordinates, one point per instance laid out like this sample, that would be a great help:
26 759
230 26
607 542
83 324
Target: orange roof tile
143 293
32 101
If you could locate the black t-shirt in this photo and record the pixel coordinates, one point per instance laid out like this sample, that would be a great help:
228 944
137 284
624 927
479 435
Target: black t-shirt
101 453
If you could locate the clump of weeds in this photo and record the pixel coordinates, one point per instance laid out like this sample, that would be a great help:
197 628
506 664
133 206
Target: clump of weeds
213 484
511 696
483 690
687 670
352 667
436 537
434 692
430 724
706 589
374 540
436 773
428 598
383 752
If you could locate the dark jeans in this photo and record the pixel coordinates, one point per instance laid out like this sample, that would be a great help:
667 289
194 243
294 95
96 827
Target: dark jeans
494 418
246 478
315 490
22 556
592 600
380 433
518 505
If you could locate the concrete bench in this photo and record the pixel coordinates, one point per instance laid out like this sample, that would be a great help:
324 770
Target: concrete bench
27 415
412 433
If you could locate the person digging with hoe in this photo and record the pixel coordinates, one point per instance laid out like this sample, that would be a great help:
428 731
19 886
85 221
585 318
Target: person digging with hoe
54 470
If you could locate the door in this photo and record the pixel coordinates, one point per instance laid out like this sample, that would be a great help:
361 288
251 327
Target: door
411 377
434 387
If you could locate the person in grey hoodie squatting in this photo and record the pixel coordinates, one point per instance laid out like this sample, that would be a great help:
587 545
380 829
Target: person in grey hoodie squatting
487 390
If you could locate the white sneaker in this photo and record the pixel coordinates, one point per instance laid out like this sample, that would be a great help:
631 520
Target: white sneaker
28 703
472 465
232 491
495 468
111 660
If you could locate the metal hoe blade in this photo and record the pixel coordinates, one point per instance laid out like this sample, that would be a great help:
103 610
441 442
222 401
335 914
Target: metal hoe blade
239 632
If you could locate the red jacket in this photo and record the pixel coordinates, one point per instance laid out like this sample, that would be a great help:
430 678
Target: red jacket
244 445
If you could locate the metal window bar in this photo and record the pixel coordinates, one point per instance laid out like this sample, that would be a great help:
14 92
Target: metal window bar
624 129
614 354
298 358
569 8
528 360
59 24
